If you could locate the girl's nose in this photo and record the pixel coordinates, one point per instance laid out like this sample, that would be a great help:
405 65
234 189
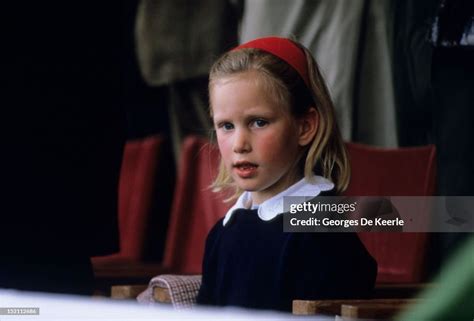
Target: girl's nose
241 142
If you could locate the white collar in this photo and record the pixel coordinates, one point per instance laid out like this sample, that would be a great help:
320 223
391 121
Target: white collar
274 206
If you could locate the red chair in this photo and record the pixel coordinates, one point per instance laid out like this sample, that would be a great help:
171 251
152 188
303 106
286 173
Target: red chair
394 172
142 225
195 207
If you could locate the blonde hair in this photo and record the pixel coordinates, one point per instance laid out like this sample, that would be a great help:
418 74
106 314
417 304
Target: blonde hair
326 154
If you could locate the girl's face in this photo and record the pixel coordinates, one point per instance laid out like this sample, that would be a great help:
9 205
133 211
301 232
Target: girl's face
259 141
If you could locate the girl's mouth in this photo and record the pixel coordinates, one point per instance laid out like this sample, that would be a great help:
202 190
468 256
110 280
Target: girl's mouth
245 169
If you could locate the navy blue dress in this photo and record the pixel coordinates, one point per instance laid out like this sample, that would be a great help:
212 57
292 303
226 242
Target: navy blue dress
254 264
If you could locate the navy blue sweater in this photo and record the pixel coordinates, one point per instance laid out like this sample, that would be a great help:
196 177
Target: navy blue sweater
253 263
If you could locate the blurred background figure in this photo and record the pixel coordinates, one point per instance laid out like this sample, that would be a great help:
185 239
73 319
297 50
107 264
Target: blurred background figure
176 43
351 42
434 77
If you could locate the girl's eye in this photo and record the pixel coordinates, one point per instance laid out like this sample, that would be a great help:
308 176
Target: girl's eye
259 123
227 126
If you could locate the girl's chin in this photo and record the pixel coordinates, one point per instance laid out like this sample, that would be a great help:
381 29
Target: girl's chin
254 184
247 186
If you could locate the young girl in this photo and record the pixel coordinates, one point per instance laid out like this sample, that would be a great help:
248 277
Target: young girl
277 135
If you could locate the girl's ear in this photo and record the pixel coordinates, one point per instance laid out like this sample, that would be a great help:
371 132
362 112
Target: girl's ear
308 126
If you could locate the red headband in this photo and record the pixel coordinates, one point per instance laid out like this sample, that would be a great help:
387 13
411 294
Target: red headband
284 49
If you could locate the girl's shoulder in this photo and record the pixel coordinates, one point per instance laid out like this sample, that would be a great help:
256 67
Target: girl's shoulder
216 229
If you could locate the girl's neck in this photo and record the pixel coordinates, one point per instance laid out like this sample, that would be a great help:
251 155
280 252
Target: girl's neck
258 197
